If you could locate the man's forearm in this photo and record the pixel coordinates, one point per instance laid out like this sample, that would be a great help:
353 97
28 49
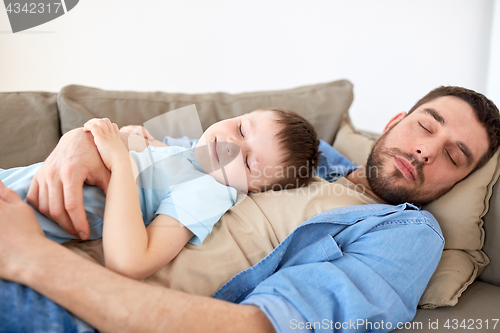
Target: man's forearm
111 302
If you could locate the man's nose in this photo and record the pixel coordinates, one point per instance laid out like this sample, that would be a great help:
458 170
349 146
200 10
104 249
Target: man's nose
426 153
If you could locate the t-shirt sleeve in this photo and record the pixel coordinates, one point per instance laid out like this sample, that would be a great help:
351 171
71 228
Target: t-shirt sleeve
171 185
197 202
184 142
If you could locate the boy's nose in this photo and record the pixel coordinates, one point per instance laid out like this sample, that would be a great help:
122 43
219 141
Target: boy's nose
231 148
235 146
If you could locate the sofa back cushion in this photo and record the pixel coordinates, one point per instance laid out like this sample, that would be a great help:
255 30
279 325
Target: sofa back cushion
322 104
30 127
491 247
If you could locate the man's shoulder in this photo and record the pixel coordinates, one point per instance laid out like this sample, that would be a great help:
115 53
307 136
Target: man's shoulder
414 216
379 215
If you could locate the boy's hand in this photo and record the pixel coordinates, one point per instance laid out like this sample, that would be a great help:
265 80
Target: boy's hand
107 140
137 130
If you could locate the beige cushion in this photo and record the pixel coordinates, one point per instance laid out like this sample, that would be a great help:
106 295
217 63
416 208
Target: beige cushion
30 127
491 273
459 213
322 104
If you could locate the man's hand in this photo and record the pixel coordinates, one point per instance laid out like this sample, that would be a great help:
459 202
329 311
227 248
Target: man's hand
18 227
57 188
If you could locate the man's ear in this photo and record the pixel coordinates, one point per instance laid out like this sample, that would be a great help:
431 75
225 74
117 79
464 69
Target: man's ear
394 120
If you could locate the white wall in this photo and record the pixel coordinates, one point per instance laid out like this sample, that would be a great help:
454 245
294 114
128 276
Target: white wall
493 83
393 51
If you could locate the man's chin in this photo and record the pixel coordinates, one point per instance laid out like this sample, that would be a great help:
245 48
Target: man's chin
392 192
396 195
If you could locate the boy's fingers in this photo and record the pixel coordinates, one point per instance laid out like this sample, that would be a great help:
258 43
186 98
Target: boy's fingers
89 122
148 135
102 124
145 135
127 129
95 129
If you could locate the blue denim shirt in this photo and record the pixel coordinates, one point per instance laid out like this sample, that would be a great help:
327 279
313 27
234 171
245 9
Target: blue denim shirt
359 268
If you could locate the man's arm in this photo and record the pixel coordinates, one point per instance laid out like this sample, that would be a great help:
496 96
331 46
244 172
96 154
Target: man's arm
104 299
57 188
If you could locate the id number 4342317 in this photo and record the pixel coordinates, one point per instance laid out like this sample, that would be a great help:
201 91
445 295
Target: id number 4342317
471 324
33 8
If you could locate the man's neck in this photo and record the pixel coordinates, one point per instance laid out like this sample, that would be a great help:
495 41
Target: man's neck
358 177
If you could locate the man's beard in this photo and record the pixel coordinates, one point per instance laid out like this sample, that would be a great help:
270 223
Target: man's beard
384 184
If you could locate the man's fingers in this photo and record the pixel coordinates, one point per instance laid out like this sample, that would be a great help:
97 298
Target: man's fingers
57 209
109 125
49 202
8 195
43 199
32 195
73 202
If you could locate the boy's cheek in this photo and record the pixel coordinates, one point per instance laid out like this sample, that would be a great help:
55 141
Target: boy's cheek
233 174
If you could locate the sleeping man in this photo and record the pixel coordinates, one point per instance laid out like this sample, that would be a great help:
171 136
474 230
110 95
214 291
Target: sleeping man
348 261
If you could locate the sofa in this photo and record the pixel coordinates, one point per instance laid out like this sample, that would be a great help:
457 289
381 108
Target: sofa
464 292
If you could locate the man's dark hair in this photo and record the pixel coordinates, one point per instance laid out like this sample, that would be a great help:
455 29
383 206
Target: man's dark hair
485 110
299 142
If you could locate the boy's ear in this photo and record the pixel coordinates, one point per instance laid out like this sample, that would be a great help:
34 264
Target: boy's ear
394 120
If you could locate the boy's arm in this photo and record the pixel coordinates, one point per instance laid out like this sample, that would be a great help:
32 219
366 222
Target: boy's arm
129 248
159 243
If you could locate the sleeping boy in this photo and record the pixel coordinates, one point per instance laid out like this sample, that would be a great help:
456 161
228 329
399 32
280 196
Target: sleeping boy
163 197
